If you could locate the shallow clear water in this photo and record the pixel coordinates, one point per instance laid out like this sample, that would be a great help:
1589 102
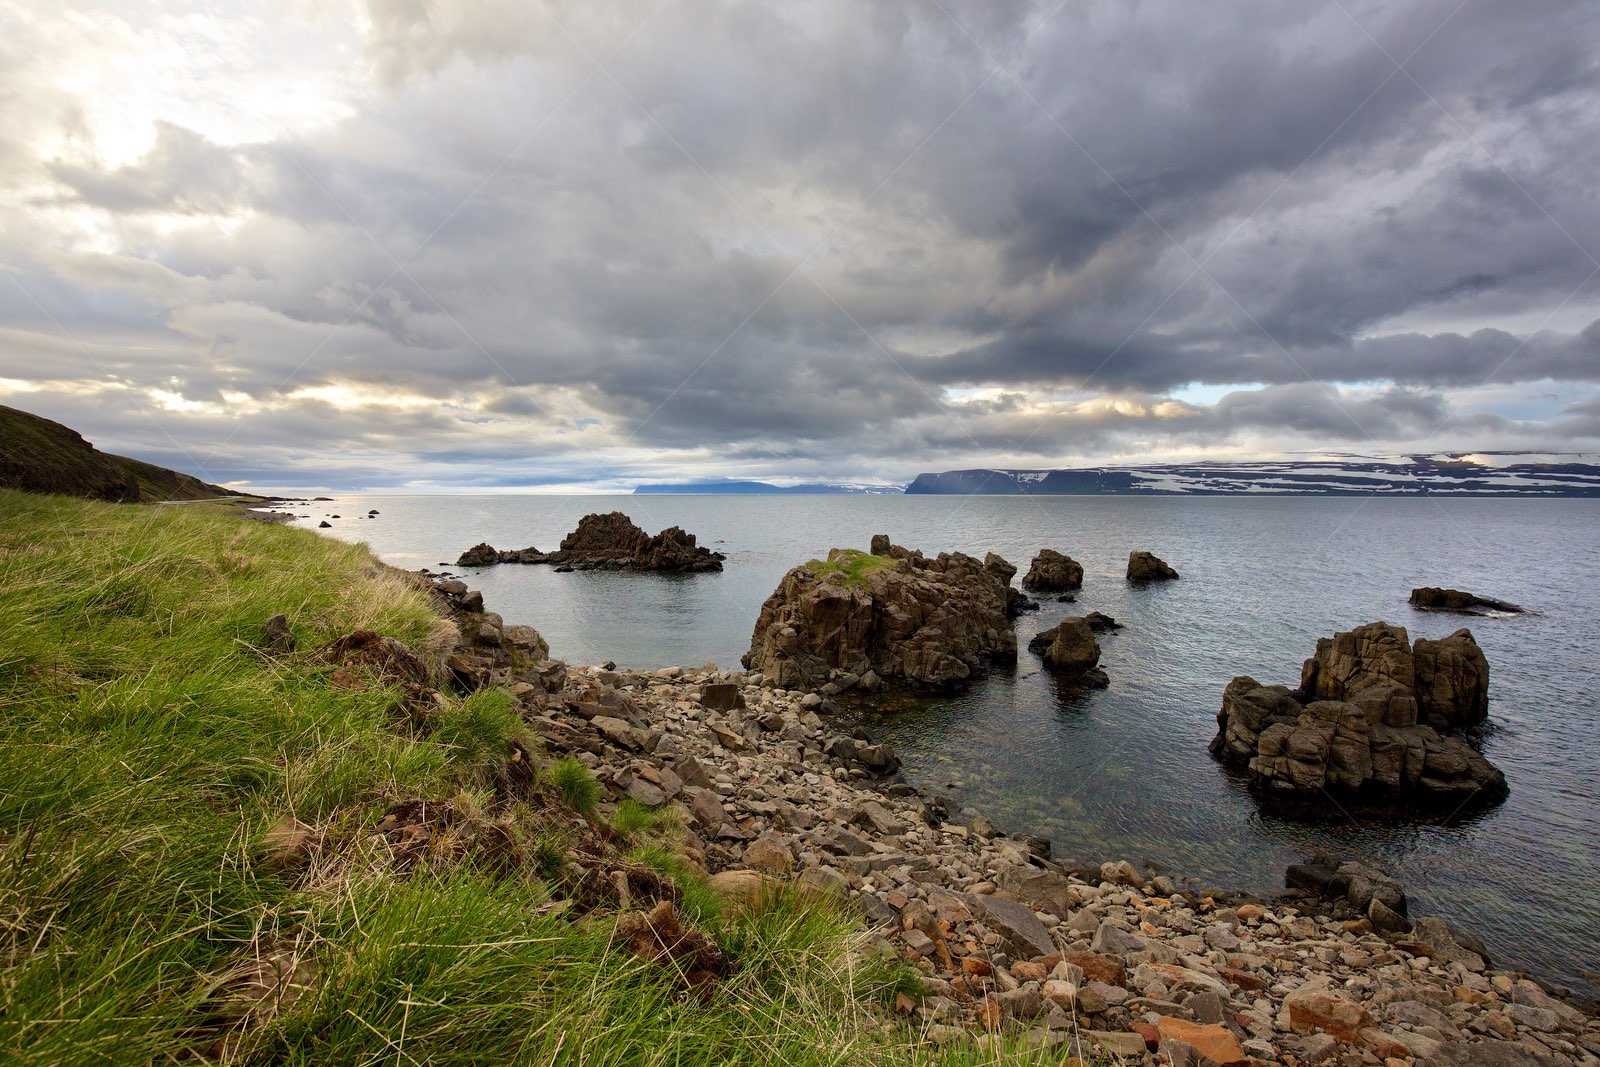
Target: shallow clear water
1124 772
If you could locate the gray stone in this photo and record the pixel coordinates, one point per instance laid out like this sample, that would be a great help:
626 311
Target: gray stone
1022 935
1463 1053
1112 940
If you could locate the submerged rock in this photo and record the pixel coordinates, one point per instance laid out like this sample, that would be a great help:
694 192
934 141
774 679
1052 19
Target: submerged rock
910 620
1432 598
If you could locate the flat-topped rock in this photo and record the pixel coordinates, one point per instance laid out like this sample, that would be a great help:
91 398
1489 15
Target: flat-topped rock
608 542
1432 598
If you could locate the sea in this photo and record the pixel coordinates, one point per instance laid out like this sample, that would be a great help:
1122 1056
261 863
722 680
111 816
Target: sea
1124 772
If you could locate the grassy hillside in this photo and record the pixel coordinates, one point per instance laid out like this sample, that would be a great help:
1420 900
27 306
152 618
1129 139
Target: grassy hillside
40 456
194 868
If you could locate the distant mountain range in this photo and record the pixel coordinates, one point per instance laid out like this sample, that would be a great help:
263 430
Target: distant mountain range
41 456
767 487
1449 474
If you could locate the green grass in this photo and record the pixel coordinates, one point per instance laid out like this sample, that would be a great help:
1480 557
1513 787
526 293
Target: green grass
576 784
146 748
854 565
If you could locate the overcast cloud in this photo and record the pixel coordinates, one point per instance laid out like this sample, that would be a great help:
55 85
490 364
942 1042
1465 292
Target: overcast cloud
486 242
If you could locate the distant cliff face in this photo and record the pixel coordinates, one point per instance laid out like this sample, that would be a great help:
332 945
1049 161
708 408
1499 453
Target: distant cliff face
1500 474
40 456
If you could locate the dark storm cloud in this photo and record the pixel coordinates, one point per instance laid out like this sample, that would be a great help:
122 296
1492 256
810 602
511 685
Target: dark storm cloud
747 234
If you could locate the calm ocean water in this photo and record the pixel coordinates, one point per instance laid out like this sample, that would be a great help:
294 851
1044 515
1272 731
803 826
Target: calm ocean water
1124 772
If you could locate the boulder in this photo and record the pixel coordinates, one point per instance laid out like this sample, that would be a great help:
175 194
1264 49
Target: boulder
1053 572
1003 570
1432 598
1148 567
1074 648
910 620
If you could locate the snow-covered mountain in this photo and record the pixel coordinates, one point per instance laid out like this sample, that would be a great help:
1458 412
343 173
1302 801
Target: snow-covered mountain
1444 474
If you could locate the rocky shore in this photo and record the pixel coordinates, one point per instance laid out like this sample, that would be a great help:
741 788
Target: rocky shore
1101 961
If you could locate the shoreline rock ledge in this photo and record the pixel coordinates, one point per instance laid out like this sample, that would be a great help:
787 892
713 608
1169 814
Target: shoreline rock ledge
1366 718
889 617
608 542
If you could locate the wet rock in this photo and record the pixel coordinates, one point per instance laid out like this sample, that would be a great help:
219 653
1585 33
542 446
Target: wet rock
1358 729
608 542
1432 598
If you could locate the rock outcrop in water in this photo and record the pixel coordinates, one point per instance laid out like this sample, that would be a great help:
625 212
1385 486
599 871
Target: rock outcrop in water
1148 567
897 615
1053 572
1432 598
1358 722
1003 570
608 542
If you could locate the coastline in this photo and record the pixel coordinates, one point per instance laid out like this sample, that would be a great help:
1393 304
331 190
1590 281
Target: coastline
777 790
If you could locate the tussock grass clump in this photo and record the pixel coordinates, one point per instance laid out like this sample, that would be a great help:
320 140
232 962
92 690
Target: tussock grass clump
194 865
577 786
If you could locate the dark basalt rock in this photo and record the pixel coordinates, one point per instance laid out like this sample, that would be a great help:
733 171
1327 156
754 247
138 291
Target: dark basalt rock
608 542
1432 598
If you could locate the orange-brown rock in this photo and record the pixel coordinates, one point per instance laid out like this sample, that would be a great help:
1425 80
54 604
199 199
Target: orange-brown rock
1314 1008
1215 1043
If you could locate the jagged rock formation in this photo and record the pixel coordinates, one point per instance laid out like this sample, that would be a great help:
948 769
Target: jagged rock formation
1448 679
1354 723
1003 570
608 542
896 615
1148 567
1053 572
1432 598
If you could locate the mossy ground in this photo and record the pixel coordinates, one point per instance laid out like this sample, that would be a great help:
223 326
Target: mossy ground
147 749
854 565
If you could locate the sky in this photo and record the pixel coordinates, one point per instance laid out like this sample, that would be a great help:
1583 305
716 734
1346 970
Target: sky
510 244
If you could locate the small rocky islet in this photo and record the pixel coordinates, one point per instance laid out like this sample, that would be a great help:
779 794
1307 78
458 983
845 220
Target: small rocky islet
1371 716
608 542
1101 961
